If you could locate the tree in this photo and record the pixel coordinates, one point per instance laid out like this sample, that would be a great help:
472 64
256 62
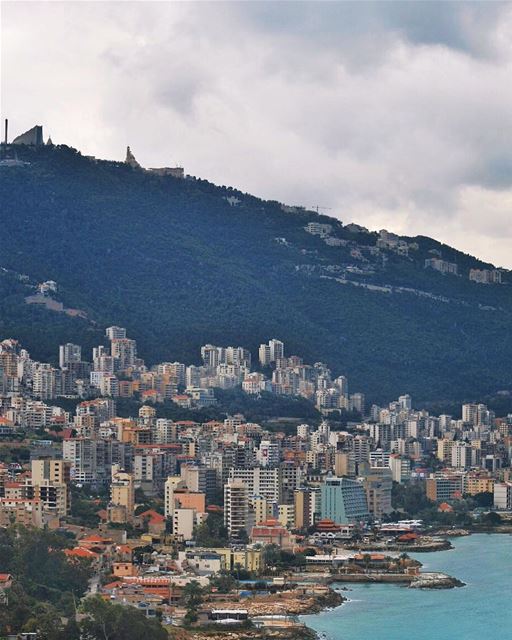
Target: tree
192 597
484 499
211 532
242 536
410 497
106 621
46 622
492 519
223 582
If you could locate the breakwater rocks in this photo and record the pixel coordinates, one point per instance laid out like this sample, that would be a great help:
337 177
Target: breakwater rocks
418 581
295 633
435 581
293 602
453 533
423 545
328 601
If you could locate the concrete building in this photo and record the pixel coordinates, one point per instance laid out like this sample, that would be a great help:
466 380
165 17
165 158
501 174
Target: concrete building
442 266
32 137
69 353
263 509
50 479
485 276
183 522
344 464
124 352
461 455
444 487
166 431
323 230
271 352
260 482
236 508
302 509
286 515
122 496
46 382
268 453
378 483
115 333
400 468
171 484
503 496
200 479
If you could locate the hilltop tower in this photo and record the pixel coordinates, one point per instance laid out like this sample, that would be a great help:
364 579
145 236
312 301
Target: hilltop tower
32 137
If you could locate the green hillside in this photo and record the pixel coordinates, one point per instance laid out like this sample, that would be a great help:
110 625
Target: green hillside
184 262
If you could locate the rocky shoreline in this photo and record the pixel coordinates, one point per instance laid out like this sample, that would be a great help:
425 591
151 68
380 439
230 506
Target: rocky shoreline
276 618
420 581
438 581
426 545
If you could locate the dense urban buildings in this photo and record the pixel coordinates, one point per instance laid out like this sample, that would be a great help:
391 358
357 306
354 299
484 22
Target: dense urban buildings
222 491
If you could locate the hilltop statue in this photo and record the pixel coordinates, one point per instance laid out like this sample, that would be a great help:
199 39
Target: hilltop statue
130 159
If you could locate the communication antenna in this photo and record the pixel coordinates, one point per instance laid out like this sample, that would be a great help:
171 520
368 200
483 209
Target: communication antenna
6 130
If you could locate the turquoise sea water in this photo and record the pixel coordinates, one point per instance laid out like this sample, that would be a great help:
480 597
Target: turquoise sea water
480 610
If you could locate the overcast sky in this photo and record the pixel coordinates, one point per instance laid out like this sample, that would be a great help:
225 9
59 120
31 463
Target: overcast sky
394 115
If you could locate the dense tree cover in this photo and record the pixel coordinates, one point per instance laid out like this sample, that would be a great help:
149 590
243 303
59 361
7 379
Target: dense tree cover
179 266
85 505
264 406
410 500
223 582
45 585
106 621
192 597
278 560
484 499
261 408
99 620
10 454
47 594
211 532
492 519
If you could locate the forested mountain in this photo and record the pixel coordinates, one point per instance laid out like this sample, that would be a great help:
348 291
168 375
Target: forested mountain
182 262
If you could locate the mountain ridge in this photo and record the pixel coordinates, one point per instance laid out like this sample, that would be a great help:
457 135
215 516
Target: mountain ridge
182 262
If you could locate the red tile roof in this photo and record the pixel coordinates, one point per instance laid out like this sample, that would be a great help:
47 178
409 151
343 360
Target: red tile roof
153 516
79 552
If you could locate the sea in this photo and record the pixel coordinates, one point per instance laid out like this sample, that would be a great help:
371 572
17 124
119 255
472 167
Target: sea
482 610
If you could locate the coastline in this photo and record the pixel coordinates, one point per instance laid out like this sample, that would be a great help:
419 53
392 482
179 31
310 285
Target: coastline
429 546
425 580
387 613
267 623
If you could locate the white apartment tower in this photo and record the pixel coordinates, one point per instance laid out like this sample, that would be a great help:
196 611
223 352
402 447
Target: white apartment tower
115 333
124 351
69 353
264 355
276 349
236 508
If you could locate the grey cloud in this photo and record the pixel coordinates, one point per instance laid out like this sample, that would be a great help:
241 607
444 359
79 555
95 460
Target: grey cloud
395 115
468 27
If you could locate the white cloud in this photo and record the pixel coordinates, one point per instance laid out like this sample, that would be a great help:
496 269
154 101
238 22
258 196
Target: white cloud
394 115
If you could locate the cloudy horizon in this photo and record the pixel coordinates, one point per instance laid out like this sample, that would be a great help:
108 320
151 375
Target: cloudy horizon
391 115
